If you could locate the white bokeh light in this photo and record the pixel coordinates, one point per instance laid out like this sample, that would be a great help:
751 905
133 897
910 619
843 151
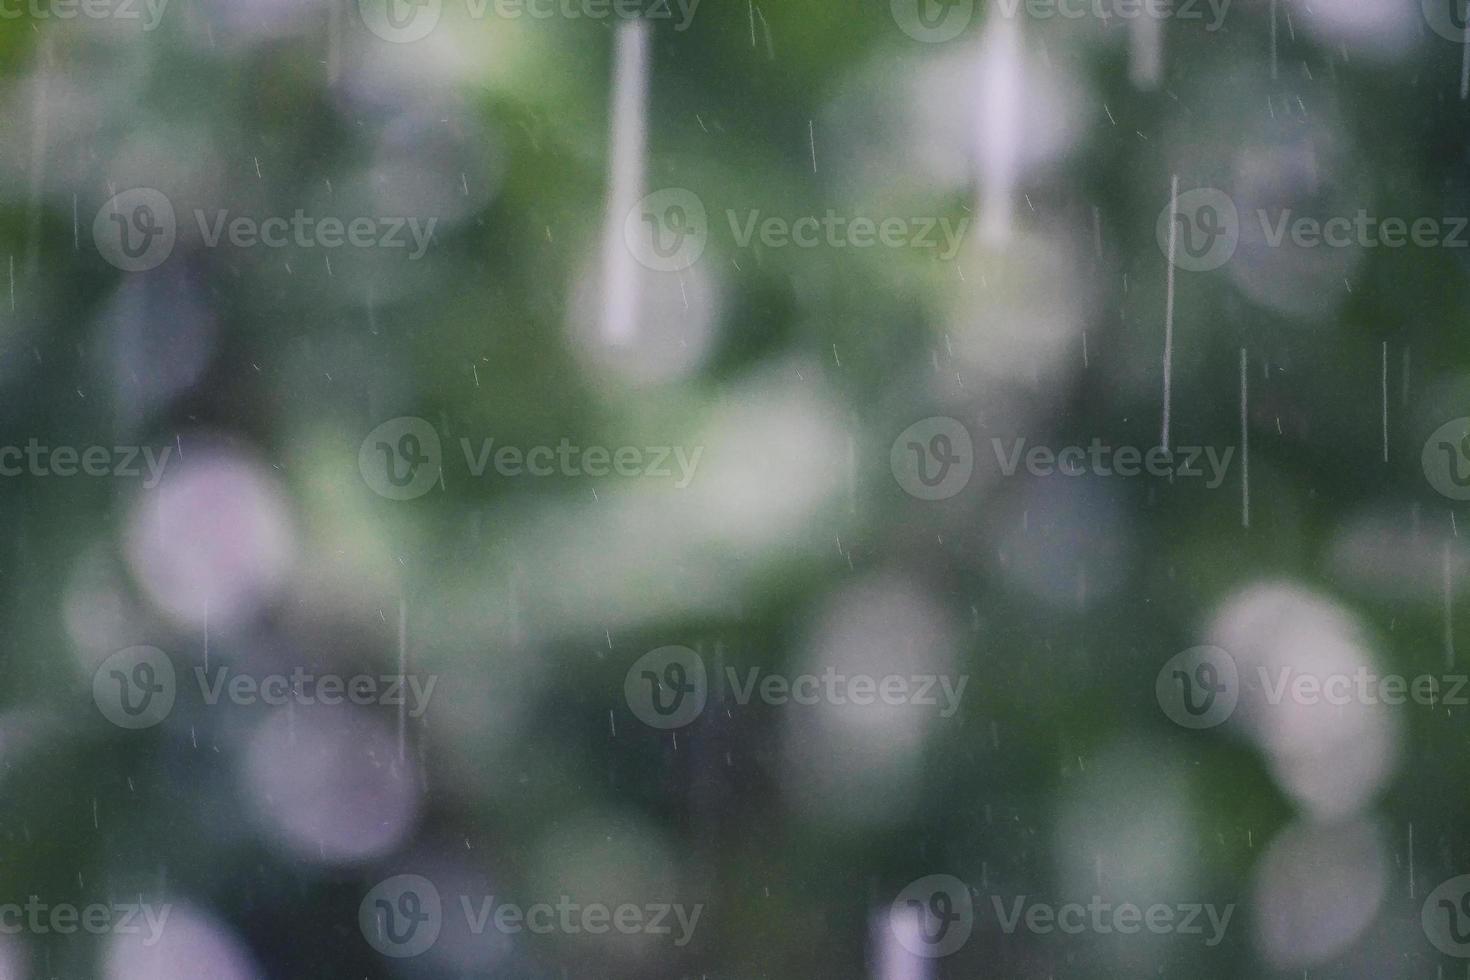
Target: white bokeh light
213 540
329 785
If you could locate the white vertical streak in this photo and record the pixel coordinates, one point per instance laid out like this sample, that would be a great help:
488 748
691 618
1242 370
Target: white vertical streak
402 668
1169 306
1245 447
1449 618
893 959
620 277
1146 51
334 43
40 130
1275 67
998 128
1411 860
1385 401
1465 66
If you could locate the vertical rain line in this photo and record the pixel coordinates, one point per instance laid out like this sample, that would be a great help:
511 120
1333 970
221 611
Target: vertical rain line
1465 65
1275 67
1245 446
1411 860
1385 401
40 136
628 138
402 670
1449 616
334 43
1169 305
